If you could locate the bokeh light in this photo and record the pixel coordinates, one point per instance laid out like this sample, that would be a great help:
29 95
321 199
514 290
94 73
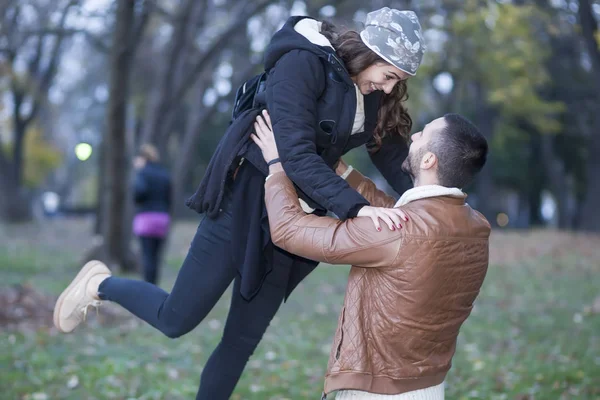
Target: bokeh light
83 151
502 220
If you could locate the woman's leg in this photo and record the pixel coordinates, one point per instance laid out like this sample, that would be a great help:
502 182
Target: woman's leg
150 247
158 248
246 323
205 274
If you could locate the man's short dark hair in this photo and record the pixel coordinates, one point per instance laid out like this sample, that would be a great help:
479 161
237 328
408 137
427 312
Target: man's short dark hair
461 150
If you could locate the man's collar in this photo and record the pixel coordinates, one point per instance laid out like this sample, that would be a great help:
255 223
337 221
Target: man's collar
425 191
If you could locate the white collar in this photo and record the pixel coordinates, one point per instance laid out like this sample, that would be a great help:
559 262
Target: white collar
311 29
425 191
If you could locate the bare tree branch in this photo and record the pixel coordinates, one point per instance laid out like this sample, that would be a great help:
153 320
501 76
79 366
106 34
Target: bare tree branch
159 10
175 64
198 121
200 21
50 31
138 32
200 86
34 63
94 40
8 29
5 5
215 47
179 42
50 72
167 100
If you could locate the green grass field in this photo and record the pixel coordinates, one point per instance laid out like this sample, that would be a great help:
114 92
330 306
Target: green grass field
534 333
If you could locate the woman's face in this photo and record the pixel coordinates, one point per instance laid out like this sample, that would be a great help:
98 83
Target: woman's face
139 162
380 76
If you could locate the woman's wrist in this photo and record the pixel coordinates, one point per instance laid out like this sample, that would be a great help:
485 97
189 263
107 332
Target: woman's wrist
273 161
341 167
345 174
274 168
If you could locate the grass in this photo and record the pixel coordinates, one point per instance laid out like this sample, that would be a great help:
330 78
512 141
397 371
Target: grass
534 333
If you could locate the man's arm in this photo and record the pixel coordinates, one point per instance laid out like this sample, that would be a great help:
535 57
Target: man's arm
364 186
325 239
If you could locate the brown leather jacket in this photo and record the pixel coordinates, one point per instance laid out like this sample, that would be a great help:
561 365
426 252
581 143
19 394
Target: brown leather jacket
409 290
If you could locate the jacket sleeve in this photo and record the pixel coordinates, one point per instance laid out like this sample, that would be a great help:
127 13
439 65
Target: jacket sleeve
140 187
293 88
367 189
325 239
388 160
169 196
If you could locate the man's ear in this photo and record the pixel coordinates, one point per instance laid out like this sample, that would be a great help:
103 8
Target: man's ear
429 160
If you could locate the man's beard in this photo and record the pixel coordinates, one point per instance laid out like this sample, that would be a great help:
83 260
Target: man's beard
410 165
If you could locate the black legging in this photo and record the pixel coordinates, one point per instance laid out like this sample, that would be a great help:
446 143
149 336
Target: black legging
151 249
203 278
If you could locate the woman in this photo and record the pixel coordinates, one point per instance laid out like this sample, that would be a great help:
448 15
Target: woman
324 95
152 195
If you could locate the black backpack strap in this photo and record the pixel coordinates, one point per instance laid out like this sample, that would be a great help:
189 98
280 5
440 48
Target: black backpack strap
248 95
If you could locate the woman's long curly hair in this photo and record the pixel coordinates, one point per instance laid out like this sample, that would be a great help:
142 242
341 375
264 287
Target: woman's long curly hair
393 118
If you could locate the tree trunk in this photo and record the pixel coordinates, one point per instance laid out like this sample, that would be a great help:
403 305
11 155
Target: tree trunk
100 219
17 156
523 219
590 220
534 194
15 205
591 216
484 119
559 182
537 182
115 187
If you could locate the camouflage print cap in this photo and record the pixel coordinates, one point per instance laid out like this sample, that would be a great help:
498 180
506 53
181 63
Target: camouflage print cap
396 37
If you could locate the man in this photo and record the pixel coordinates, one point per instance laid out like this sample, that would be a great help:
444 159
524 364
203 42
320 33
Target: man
409 290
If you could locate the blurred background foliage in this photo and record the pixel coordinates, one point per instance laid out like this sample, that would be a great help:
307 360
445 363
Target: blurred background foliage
113 74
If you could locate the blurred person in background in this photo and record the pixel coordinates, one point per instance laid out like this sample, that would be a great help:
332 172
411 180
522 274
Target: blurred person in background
327 91
152 195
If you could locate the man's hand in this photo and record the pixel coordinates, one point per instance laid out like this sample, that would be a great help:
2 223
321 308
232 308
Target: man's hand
390 216
265 139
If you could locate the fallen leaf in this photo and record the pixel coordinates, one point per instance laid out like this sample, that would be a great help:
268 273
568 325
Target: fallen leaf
73 382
